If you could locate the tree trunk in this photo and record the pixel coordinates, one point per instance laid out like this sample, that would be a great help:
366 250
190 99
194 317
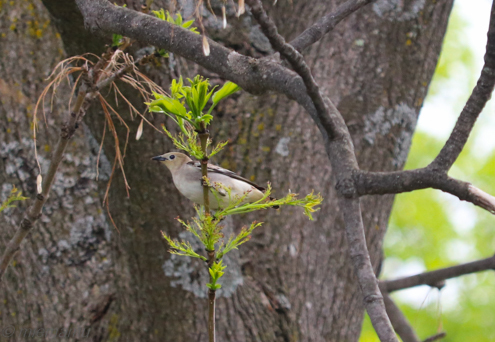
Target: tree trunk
293 281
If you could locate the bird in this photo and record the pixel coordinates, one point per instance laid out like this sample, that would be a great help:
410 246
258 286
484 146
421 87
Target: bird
188 179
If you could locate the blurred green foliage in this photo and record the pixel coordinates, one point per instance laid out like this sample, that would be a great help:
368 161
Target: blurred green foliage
435 230
456 54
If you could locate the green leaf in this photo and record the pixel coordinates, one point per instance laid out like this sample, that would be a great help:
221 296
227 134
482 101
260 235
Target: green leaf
116 40
163 53
207 118
160 14
228 89
188 24
15 195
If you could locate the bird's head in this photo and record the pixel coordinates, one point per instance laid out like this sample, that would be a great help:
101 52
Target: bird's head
172 160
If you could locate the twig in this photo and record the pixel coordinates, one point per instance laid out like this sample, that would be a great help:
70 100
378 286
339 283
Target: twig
380 183
433 278
296 60
203 137
327 23
86 93
400 323
475 104
435 337
211 315
34 212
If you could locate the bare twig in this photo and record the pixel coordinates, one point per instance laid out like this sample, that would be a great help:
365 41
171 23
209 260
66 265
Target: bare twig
326 24
203 137
475 104
379 183
435 337
296 60
211 315
400 323
34 212
86 93
434 278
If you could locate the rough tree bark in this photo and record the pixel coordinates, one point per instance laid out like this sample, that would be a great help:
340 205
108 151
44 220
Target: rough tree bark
294 280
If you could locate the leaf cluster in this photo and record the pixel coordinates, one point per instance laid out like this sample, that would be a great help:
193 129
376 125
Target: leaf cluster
118 40
15 195
182 248
216 272
196 97
188 142
186 107
178 20
237 206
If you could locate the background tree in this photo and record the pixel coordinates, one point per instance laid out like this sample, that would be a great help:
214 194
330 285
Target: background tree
298 282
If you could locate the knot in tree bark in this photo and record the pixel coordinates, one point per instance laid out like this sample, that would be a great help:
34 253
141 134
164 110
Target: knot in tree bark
346 188
67 131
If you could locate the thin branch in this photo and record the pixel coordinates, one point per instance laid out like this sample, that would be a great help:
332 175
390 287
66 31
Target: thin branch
86 93
34 212
326 24
297 62
343 159
253 75
380 183
400 323
435 337
475 104
436 278
372 296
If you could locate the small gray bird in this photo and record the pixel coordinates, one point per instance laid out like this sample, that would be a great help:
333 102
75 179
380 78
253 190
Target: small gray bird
187 177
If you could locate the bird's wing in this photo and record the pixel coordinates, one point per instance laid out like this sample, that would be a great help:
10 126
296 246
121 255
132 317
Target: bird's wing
220 170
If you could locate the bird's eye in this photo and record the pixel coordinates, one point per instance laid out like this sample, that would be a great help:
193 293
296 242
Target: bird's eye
171 157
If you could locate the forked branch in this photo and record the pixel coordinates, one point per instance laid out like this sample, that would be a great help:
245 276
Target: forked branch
344 162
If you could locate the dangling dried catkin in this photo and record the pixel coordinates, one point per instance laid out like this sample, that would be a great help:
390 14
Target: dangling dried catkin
241 9
224 17
206 46
39 181
140 130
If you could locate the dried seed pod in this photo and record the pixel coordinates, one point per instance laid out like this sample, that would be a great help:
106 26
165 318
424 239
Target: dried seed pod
39 181
206 46
224 17
140 130
242 8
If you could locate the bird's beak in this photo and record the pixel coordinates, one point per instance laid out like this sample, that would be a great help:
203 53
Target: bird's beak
159 158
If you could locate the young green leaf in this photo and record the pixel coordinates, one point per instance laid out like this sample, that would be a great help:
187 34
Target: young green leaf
228 89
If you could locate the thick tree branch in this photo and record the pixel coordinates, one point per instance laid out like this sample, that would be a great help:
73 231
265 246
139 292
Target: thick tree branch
475 104
434 278
380 183
400 323
326 24
256 76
